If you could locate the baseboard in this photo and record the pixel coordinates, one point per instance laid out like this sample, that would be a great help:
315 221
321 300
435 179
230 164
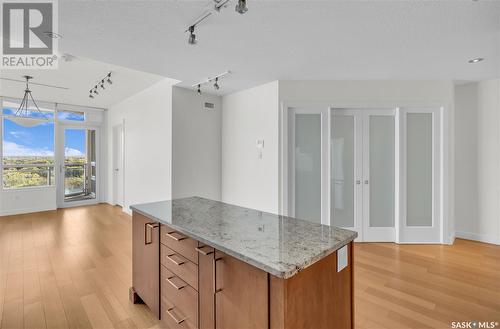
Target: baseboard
451 238
478 237
25 211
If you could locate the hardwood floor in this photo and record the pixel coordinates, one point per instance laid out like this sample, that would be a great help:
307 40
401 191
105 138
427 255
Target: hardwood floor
72 269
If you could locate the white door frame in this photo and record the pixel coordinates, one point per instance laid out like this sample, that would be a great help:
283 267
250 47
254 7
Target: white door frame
357 114
325 152
443 139
433 233
61 203
121 165
379 234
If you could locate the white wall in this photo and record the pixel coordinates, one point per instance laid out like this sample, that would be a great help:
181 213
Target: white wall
247 116
477 158
196 145
147 118
254 114
27 200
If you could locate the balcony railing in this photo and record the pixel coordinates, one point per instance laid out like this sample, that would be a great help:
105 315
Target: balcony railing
75 179
27 175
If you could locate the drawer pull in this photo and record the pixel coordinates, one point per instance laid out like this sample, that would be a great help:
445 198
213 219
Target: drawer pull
148 232
172 315
216 290
173 284
203 252
178 263
176 236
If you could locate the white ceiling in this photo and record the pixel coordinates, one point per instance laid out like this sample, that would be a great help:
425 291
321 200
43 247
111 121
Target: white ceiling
78 75
303 40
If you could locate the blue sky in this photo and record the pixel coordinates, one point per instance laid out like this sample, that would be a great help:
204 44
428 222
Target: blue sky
39 140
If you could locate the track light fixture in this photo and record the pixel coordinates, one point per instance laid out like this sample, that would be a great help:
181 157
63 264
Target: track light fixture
241 7
192 36
100 84
214 79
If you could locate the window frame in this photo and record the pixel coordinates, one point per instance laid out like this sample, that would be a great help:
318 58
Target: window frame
54 107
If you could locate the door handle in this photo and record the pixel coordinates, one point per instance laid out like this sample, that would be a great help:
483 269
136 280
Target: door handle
358 182
366 182
216 290
148 232
203 252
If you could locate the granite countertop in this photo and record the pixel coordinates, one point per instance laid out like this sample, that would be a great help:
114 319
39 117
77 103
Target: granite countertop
279 245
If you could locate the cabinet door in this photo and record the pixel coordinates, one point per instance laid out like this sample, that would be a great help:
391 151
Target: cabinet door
241 294
206 286
146 261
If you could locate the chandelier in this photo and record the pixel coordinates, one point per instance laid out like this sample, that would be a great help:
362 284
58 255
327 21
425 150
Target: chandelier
26 116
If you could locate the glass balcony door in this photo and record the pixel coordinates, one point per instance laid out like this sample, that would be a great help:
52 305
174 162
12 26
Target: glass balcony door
78 170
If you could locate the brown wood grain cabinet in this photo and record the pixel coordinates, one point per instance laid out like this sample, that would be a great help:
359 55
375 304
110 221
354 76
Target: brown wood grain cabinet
194 286
145 262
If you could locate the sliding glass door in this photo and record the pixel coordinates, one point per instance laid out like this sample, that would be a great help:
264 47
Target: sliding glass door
375 171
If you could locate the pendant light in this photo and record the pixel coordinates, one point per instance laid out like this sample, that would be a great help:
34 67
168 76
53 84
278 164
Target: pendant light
26 116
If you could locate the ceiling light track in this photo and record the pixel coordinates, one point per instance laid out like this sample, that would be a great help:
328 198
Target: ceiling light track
215 80
100 84
241 8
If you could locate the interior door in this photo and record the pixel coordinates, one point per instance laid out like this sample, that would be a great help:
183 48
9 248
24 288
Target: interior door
380 161
118 165
78 165
308 169
346 170
421 172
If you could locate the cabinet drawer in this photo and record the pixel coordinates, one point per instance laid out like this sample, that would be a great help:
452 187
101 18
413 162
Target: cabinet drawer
182 295
174 317
179 243
180 266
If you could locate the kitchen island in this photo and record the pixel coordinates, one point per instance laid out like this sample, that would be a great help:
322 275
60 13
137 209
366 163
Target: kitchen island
199 263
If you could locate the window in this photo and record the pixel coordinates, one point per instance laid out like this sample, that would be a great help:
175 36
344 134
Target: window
70 116
28 149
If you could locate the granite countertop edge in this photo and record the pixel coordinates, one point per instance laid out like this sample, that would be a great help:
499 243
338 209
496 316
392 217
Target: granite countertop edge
281 274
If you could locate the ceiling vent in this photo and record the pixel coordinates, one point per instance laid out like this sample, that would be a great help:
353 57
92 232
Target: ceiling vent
208 106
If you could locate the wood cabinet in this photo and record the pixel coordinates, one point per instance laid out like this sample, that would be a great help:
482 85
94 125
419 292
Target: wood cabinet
145 262
193 286
241 294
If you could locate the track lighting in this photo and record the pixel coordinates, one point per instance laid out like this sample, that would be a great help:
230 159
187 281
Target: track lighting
241 7
214 79
100 84
192 36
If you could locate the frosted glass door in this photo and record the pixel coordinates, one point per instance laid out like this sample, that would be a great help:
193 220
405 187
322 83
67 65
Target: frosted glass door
421 222
345 169
379 175
307 163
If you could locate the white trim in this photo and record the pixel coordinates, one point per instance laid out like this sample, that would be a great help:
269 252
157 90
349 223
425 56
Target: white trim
19 211
486 238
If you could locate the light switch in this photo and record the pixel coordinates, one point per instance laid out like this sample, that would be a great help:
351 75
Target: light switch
260 148
342 258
